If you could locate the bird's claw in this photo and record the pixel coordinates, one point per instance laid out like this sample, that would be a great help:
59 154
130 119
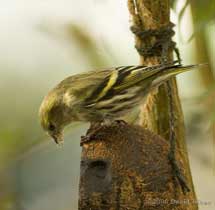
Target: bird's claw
86 139
95 128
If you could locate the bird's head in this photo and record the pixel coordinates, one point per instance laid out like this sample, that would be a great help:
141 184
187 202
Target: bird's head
51 115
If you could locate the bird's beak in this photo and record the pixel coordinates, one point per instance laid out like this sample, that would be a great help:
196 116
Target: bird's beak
58 138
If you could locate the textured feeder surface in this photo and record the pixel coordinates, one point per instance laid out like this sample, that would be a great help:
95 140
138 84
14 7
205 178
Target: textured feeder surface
126 167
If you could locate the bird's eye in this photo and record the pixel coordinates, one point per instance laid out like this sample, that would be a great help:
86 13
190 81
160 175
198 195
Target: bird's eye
51 127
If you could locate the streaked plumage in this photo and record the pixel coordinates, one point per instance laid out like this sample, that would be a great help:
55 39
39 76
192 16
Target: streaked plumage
100 95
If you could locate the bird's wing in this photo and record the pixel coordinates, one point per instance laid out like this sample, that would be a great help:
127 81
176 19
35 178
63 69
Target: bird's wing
129 76
156 74
120 79
95 86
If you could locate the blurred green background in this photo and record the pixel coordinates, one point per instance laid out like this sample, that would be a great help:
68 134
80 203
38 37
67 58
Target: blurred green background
41 43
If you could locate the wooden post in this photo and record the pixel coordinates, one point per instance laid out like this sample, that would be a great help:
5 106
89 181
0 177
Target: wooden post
126 166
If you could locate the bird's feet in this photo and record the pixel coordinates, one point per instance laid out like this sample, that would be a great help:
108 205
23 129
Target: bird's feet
91 133
86 139
95 127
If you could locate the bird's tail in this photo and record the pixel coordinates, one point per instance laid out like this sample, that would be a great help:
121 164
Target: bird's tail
171 71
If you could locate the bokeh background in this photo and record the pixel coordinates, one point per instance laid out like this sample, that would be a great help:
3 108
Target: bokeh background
41 43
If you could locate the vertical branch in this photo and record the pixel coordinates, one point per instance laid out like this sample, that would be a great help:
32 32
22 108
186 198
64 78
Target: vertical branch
162 113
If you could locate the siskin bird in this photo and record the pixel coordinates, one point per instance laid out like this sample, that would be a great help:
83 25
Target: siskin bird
101 96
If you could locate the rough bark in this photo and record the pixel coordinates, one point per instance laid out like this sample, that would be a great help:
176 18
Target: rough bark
127 167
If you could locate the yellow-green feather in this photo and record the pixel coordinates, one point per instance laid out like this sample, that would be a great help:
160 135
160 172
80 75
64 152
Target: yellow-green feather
111 82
